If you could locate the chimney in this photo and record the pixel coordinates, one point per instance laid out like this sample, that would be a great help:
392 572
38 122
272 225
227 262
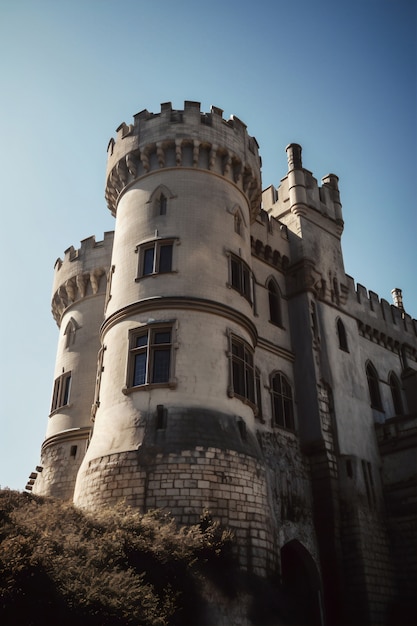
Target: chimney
397 296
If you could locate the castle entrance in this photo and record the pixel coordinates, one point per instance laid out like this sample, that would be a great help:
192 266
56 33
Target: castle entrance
301 585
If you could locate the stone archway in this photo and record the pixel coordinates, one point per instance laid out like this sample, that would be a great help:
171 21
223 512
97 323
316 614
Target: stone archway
301 585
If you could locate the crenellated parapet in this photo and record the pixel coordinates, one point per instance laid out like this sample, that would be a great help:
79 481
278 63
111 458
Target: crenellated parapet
185 138
381 322
81 273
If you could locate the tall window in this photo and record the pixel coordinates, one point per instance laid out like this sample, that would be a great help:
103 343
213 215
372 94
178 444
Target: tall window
60 396
155 257
282 403
396 394
240 277
258 389
274 303
242 374
150 356
341 331
373 384
162 204
238 223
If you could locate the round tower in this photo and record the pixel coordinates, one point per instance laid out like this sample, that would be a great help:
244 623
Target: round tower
77 305
175 425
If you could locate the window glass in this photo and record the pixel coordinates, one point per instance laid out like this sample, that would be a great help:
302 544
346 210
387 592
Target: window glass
282 402
243 378
148 257
150 357
165 258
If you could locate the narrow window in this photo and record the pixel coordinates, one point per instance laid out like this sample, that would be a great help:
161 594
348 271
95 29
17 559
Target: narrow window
162 204
373 384
243 380
240 277
274 304
61 392
396 394
258 389
341 331
282 403
238 223
150 356
155 258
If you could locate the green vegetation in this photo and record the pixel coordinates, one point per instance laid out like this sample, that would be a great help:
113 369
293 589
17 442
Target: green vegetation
120 568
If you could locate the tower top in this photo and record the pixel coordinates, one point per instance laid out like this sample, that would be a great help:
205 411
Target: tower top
183 138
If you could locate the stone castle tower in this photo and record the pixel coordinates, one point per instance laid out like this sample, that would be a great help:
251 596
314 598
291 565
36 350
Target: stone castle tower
214 355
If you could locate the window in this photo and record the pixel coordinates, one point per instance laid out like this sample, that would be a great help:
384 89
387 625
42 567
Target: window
258 389
238 223
242 370
155 257
60 396
396 394
341 331
373 384
150 356
162 204
282 404
274 303
240 277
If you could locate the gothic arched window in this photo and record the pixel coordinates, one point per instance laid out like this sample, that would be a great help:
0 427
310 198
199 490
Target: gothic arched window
282 402
373 384
341 331
396 394
274 303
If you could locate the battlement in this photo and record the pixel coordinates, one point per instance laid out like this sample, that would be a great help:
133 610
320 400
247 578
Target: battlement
183 138
378 320
80 273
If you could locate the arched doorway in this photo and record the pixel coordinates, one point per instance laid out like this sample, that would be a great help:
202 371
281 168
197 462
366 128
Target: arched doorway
301 585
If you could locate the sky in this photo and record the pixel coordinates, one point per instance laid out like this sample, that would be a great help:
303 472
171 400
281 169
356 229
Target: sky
337 77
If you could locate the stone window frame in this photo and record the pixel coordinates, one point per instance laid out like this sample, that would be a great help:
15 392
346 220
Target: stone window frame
373 386
241 370
61 392
342 335
151 347
397 399
155 244
241 277
274 302
282 401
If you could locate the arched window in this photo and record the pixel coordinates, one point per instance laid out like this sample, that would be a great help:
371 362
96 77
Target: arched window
396 394
341 331
282 404
373 384
238 223
274 303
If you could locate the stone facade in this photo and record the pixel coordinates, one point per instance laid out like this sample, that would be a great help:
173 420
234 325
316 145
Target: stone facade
213 355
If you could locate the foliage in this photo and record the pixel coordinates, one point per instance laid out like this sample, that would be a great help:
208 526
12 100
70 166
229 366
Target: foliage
118 568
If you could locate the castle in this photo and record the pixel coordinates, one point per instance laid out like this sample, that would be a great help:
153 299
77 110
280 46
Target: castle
213 354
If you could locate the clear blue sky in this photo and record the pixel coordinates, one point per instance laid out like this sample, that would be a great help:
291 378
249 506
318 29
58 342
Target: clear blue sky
337 77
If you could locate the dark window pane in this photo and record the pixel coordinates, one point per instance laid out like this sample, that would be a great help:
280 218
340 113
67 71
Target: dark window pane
65 396
246 282
165 258
162 205
142 340
235 266
148 257
238 378
162 337
139 374
161 360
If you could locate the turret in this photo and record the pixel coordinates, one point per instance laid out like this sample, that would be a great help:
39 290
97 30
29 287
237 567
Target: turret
179 336
77 306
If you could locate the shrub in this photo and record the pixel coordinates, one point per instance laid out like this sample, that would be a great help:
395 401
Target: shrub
118 568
